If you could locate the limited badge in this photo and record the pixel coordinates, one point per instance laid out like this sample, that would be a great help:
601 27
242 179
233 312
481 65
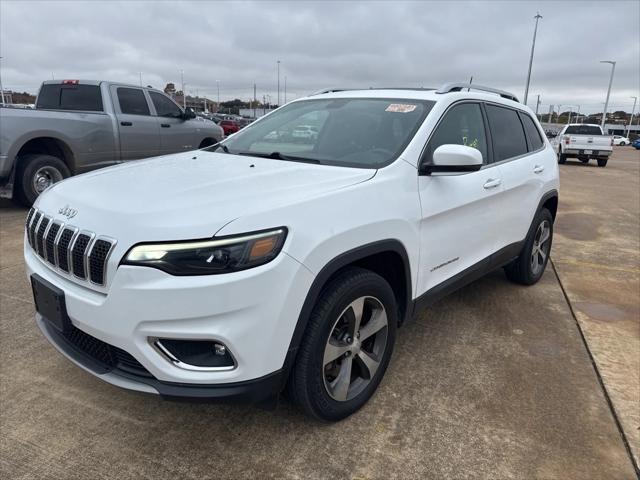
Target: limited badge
400 108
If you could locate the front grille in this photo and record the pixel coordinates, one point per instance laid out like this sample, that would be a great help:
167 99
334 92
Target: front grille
50 242
79 253
107 355
44 223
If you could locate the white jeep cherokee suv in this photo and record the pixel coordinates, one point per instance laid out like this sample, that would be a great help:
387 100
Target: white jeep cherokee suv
253 266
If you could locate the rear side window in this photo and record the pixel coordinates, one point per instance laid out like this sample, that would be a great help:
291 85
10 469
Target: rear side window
132 101
533 134
507 133
583 130
461 125
164 106
86 98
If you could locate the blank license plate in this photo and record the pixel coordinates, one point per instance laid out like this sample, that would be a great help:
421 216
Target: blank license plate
588 152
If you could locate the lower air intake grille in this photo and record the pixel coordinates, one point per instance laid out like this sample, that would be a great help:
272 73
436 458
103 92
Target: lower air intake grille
107 355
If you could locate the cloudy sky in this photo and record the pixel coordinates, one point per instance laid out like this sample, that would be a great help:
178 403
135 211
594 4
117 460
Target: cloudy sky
328 44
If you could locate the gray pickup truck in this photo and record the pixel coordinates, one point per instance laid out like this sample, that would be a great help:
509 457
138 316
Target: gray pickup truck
81 125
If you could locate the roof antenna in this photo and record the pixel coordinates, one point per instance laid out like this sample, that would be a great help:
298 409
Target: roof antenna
470 82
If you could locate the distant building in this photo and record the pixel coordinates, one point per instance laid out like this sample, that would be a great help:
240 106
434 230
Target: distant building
7 96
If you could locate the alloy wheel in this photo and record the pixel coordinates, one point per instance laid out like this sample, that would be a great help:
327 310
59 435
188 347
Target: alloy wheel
355 348
541 247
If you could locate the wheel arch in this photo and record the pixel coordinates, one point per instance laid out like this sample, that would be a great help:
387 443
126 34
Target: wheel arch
549 201
387 258
49 146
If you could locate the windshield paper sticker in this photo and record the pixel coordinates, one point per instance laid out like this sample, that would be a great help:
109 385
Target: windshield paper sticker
400 108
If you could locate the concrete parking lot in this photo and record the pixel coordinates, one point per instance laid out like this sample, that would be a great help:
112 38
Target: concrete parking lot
495 381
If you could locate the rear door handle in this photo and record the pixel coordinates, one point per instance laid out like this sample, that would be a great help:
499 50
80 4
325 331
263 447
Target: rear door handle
126 124
492 183
538 169
165 125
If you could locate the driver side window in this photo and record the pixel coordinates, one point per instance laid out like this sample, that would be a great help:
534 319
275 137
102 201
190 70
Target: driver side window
463 124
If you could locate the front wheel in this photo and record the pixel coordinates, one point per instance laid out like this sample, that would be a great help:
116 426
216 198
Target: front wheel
528 268
36 173
622 144
347 346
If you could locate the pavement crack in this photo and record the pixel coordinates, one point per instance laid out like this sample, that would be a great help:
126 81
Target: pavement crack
625 441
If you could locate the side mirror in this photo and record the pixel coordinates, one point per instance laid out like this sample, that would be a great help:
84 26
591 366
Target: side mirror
452 158
189 114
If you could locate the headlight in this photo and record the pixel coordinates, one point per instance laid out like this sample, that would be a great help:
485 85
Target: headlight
206 257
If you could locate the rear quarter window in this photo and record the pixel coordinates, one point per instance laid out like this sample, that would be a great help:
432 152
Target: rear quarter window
583 130
533 134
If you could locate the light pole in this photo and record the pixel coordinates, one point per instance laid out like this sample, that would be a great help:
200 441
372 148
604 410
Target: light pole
285 89
184 94
533 46
537 105
278 62
1 88
218 87
606 102
140 78
633 110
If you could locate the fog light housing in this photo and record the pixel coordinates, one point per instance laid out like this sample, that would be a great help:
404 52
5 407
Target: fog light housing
197 355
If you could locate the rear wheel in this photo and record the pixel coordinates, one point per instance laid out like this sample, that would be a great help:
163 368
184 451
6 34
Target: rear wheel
528 268
347 346
602 162
562 159
37 172
622 144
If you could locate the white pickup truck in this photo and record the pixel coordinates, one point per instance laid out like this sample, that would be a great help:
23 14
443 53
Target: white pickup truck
583 141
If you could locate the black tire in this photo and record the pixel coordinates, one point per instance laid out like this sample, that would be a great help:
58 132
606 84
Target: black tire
522 270
32 166
308 384
562 159
622 144
602 162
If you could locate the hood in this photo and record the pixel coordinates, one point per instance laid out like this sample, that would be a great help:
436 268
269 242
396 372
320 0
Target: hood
188 195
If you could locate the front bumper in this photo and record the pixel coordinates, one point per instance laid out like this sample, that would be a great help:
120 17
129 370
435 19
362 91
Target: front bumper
253 312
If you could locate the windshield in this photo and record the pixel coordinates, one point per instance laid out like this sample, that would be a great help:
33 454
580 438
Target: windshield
354 132
583 130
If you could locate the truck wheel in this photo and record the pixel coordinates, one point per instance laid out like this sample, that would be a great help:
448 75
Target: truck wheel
562 159
528 268
35 173
347 346
602 162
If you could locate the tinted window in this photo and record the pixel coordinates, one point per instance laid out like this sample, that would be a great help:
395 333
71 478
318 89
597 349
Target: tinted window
132 101
164 106
507 133
355 132
583 130
533 134
70 97
462 125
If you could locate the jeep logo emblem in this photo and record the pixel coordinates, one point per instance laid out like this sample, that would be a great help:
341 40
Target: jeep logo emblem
68 212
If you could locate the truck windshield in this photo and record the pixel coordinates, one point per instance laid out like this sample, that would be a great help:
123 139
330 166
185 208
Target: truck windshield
583 130
354 132
85 98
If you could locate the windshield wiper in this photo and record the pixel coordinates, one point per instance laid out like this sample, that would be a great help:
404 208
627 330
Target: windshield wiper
279 156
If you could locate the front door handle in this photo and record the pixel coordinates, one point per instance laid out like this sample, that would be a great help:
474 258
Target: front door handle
538 169
165 125
492 183
126 124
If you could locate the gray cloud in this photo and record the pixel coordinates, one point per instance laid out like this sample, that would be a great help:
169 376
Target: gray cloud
331 43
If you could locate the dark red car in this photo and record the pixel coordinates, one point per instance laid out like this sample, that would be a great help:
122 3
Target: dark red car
229 126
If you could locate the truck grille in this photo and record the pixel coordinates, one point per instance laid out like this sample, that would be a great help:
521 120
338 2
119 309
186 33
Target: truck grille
79 253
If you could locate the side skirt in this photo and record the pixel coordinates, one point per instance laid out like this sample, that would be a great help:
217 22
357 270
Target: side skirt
499 259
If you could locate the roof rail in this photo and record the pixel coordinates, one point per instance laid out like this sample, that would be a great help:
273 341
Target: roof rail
329 90
458 87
